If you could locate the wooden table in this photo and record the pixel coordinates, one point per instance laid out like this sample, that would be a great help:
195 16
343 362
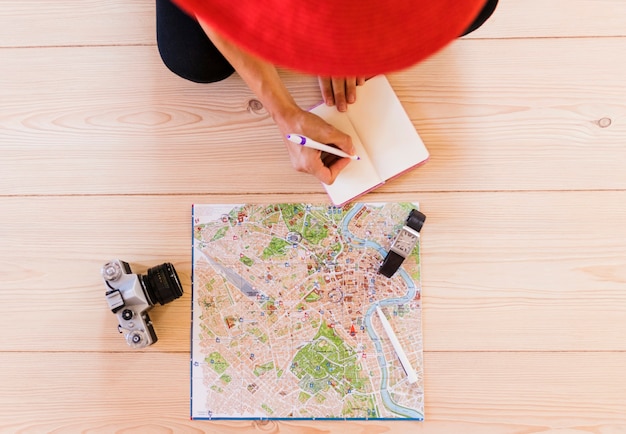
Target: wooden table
103 151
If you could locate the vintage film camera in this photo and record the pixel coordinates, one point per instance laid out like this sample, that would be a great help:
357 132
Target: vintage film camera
131 296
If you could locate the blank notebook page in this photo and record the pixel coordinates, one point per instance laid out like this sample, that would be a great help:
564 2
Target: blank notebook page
387 132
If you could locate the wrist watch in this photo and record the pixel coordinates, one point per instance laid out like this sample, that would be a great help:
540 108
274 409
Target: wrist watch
403 244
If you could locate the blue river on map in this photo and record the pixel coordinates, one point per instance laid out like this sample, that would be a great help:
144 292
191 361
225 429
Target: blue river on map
412 289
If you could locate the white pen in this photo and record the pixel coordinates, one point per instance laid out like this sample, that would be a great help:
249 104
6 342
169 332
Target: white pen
310 143
404 360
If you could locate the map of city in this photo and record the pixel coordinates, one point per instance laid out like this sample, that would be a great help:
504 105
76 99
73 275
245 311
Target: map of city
285 322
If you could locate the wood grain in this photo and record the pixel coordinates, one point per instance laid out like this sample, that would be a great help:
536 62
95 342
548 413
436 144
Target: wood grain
555 18
40 23
481 392
103 151
495 115
549 272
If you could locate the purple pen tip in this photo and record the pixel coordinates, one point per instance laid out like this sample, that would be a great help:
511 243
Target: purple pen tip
302 138
358 158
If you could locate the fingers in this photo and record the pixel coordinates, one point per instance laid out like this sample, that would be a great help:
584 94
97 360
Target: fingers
327 90
340 91
329 168
325 167
322 165
335 168
340 140
345 92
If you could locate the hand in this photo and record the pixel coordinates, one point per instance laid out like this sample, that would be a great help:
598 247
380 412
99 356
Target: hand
322 165
340 91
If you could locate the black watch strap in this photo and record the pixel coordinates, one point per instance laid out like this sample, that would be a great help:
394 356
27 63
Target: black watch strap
391 264
393 260
415 220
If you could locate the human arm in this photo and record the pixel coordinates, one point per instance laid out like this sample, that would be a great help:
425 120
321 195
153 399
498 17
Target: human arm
264 80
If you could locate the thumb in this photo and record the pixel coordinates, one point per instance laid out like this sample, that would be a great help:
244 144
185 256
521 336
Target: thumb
341 140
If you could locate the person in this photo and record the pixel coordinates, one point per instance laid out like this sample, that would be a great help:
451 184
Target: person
341 41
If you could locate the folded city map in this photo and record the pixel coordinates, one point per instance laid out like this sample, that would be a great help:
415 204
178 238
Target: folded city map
285 322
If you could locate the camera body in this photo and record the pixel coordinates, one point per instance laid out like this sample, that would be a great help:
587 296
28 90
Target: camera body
130 296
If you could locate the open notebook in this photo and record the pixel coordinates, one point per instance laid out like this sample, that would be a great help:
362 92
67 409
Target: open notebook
383 135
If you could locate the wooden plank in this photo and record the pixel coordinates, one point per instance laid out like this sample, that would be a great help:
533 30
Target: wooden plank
502 271
465 392
524 305
40 23
490 122
555 18
119 22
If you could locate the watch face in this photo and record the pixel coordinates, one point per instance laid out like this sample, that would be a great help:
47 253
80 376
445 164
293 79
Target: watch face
405 242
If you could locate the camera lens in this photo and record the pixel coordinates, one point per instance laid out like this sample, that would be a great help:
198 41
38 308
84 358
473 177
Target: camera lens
162 284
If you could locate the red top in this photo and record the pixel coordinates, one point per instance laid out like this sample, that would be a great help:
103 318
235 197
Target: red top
338 37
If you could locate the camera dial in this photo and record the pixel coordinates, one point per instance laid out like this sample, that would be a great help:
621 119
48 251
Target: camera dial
136 339
127 314
111 271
